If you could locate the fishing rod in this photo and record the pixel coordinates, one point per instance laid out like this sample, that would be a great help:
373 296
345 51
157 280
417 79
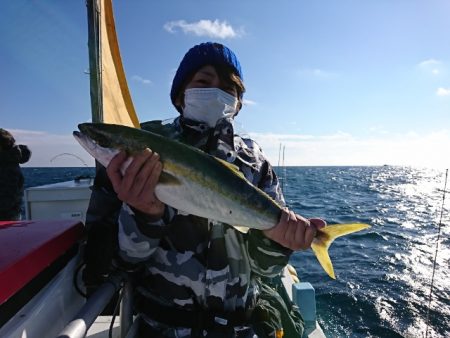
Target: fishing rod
282 169
284 173
435 253
69 154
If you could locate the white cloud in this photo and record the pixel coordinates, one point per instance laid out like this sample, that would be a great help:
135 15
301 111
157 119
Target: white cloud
414 149
212 29
443 91
378 130
248 102
320 72
433 66
52 150
340 148
429 62
317 73
140 79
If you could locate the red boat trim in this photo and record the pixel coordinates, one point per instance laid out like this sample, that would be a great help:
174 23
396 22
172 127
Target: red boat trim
13 305
27 248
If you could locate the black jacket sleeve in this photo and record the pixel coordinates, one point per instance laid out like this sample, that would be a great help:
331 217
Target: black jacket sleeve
101 230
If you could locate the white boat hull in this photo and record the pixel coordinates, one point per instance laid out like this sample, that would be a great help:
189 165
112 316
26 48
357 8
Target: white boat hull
47 313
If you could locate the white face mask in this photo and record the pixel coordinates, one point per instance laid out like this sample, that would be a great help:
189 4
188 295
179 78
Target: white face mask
208 105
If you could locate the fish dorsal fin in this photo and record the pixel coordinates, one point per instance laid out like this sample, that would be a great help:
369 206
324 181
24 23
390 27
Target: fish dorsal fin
167 179
234 168
326 236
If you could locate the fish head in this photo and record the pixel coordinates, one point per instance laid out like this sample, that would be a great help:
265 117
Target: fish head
100 133
104 141
103 155
114 136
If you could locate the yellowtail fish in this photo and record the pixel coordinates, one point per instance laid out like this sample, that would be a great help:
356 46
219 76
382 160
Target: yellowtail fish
197 183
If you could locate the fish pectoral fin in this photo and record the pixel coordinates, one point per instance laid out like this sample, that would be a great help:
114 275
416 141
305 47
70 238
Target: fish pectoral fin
241 228
167 179
326 236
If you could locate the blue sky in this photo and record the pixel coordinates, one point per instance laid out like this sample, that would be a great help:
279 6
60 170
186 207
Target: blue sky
336 82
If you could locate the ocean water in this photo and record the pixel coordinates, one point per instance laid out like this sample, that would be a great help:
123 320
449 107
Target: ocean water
40 176
384 273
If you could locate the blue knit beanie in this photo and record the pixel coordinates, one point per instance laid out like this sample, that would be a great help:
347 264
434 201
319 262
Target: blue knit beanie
208 53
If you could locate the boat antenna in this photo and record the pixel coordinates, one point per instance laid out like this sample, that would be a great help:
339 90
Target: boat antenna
282 170
279 153
435 254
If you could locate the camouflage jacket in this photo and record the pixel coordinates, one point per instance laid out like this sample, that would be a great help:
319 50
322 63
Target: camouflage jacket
197 263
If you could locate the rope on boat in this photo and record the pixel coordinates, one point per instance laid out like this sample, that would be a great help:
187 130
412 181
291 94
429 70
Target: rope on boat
435 254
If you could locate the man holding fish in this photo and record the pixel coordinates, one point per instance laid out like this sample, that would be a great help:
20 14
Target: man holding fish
198 271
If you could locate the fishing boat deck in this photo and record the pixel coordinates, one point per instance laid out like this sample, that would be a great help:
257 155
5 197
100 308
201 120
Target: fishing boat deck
100 328
62 284
301 293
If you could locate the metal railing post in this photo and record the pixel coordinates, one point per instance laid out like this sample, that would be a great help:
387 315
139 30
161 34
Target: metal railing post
126 309
80 325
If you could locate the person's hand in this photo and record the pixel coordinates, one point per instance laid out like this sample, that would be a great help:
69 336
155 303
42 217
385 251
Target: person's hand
294 231
137 186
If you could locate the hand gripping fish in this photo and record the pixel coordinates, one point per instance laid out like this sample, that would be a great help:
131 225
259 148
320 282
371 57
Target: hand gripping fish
200 184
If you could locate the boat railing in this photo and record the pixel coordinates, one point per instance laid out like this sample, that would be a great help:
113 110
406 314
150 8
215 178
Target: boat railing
126 311
96 303
301 293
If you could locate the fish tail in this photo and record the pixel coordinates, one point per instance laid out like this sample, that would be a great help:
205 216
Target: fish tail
326 236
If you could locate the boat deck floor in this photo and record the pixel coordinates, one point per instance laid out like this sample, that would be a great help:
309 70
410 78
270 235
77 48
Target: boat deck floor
100 328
